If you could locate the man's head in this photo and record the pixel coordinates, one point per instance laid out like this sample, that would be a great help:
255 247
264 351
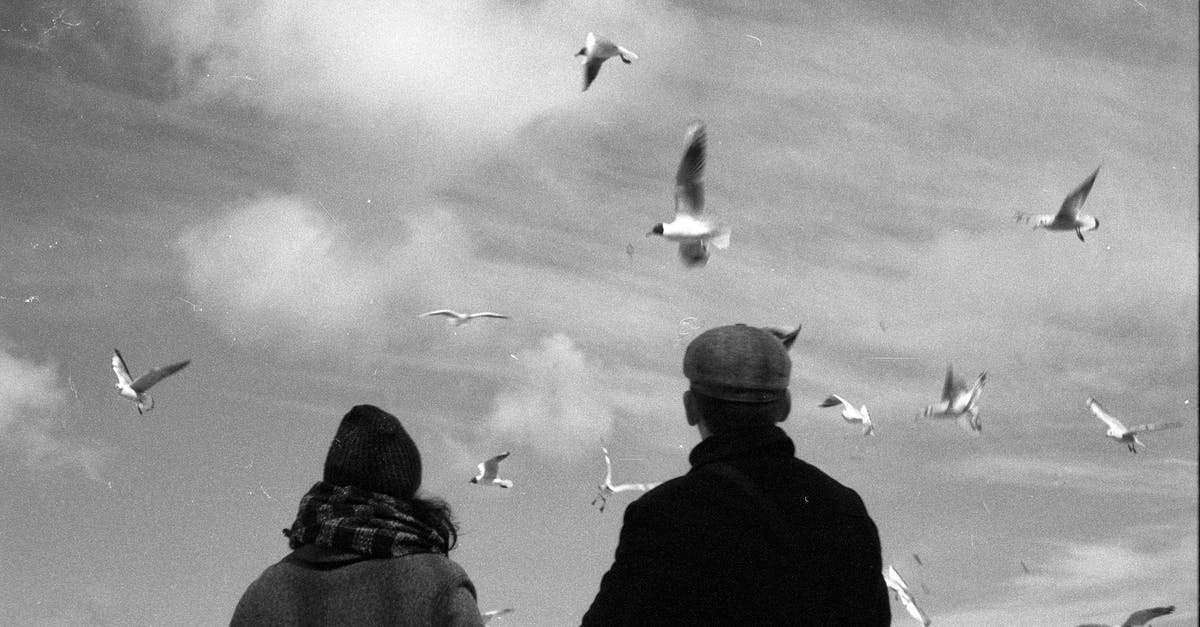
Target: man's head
739 377
372 451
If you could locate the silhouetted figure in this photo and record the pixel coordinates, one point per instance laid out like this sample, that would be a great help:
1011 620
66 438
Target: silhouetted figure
366 549
751 535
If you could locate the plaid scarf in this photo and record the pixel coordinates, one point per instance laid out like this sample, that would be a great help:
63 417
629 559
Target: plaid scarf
360 521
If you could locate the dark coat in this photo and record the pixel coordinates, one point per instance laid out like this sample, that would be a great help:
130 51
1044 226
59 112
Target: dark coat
318 586
749 536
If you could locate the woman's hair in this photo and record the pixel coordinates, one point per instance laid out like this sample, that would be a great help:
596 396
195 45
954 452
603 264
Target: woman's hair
721 415
435 513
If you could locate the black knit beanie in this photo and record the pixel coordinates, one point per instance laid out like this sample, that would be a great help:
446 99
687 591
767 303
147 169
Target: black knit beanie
372 451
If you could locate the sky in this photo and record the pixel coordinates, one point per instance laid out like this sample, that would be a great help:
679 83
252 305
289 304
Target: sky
276 190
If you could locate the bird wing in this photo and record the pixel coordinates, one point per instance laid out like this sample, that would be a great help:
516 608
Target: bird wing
1103 415
146 381
603 46
787 337
693 253
491 468
607 469
591 67
950 386
833 400
1141 617
119 367
1074 200
689 190
450 313
487 314
975 390
488 616
1158 426
894 580
913 610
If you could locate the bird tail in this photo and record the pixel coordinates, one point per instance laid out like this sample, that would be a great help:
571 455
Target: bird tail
627 55
721 239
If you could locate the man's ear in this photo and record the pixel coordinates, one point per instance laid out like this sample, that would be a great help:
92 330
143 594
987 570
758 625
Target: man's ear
690 409
787 406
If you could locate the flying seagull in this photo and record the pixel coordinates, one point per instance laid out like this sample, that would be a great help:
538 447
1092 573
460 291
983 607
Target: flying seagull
135 391
488 616
787 336
1140 617
900 591
959 401
597 50
693 233
489 473
1121 433
608 488
454 318
1067 218
850 414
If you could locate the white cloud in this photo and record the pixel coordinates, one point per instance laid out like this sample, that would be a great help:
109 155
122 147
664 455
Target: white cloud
559 404
468 69
278 266
31 402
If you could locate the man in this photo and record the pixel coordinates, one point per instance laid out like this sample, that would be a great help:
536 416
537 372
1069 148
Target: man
751 535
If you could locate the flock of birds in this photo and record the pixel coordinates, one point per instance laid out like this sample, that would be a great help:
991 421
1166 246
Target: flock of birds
695 233
489 476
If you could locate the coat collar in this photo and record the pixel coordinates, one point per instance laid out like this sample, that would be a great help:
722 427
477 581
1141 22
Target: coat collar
756 442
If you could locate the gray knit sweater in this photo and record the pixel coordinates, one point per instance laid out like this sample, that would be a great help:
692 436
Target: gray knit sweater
318 586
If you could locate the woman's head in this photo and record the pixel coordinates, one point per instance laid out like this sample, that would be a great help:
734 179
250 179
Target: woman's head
372 451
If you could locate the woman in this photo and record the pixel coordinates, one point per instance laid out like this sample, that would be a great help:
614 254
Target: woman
366 550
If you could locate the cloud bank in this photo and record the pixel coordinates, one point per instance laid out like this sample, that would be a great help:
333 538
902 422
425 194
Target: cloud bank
31 403
558 404
276 266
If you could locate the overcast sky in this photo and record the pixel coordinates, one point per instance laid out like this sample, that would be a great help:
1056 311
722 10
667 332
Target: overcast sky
277 189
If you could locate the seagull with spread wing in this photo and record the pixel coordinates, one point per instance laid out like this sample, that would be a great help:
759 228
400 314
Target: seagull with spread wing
1139 618
959 401
900 591
850 414
1121 433
489 473
135 390
608 488
597 50
454 318
689 228
1067 218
